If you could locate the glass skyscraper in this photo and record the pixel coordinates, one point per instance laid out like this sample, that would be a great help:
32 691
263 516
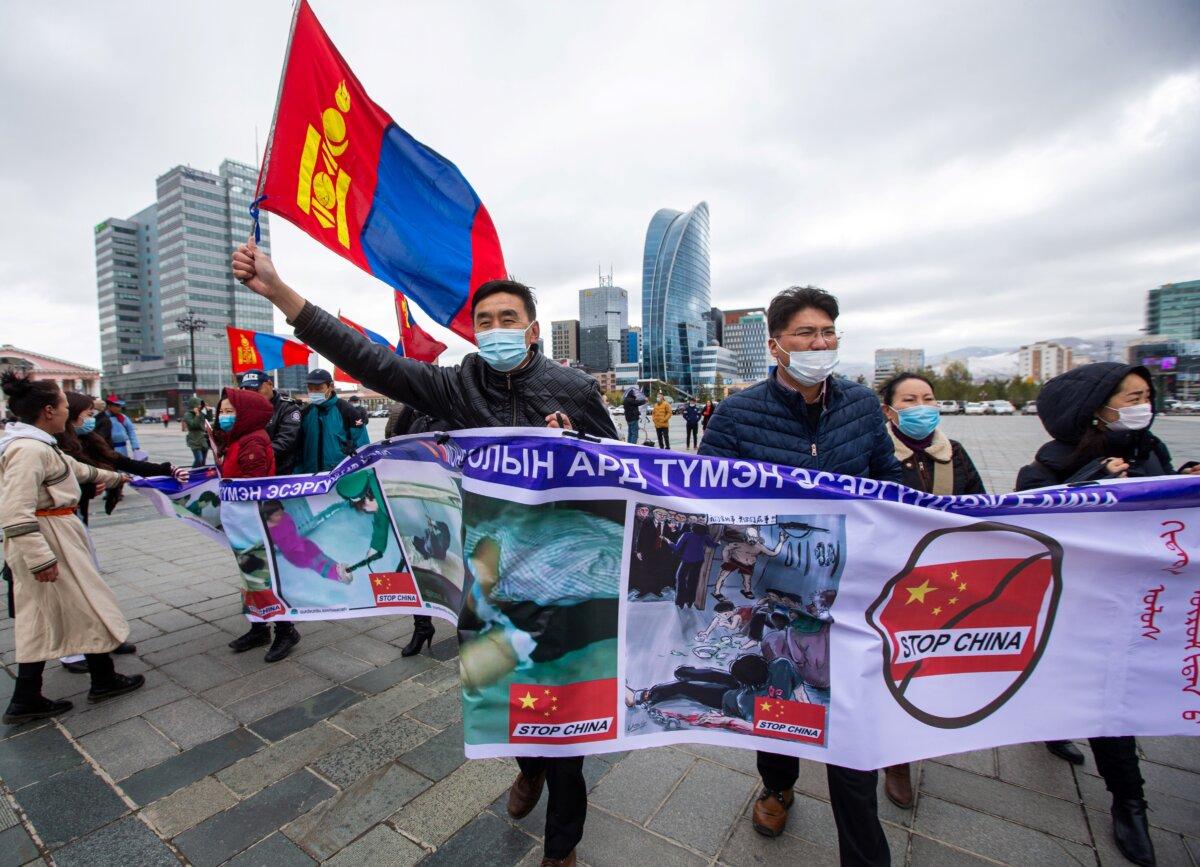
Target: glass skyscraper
675 296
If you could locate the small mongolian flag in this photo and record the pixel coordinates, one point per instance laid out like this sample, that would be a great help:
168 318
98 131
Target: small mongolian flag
566 714
415 342
339 167
249 350
341 375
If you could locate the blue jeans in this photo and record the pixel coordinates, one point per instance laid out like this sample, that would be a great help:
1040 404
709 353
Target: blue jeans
633 432
198 456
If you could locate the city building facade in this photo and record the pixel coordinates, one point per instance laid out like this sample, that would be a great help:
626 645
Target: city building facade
714 326
603 325
1043 360
69 375
633 345
889 362
676 290
564 340
1173 310
746 336
1174 365
716 367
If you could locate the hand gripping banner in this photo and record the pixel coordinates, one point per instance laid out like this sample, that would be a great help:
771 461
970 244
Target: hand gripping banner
612 597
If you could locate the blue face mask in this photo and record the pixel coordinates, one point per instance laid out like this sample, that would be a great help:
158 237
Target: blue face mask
503 348
89 425
225 422
918 422
317 397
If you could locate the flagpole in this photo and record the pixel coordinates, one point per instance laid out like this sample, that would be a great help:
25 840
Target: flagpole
287 53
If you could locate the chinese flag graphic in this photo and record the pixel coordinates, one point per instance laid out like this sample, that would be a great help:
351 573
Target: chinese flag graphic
567 714
262 603
791 720
394 588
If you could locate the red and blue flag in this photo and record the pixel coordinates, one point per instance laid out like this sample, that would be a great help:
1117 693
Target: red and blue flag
341 375
340 168
251 350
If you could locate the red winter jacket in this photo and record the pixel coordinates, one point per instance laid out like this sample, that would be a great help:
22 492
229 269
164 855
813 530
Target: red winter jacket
245 451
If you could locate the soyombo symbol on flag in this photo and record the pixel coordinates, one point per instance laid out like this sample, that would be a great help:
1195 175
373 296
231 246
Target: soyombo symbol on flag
338 167
249 350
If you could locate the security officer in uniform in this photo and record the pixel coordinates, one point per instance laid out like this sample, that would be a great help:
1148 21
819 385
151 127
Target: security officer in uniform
284 426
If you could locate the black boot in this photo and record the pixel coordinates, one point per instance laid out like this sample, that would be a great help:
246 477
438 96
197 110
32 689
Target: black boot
106 683
258 635
286 637
1065 750
1131 830
422 635
27 702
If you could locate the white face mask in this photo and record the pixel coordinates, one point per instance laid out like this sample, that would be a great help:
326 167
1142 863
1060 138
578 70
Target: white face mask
1136 417
811 367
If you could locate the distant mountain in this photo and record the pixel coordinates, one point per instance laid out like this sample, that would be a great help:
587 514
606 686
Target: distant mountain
965 353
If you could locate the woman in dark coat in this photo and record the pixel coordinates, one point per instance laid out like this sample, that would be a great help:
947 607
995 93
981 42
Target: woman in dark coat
1100 416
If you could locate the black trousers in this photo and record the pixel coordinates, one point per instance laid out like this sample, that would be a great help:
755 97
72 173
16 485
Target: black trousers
861 842
693 434
28 686
664 437
687 582
704 685
1117 762
566 809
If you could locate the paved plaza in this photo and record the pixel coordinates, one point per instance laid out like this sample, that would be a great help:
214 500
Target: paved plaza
347 754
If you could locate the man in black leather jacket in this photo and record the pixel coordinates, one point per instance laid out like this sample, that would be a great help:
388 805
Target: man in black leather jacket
284 426
499 386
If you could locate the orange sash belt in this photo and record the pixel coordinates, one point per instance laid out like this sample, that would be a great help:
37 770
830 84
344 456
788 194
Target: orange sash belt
62 510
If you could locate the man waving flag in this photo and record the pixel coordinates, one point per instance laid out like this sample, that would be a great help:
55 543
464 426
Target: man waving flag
340 168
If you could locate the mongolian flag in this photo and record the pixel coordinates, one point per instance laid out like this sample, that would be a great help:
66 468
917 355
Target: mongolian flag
339 167
341 375
565 714
258 349
415 342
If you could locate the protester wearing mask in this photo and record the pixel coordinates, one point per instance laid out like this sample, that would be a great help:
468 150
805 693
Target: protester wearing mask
662 421
118 428
933 463
196 426
632 403
508 382
803 416
691 418
326 426
1100 416
284 427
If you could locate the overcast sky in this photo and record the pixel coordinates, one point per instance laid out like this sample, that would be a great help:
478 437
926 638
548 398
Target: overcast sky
957 173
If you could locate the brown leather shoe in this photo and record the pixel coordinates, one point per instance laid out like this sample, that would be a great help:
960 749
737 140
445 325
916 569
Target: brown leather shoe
770 812
523 796
569 861
897 785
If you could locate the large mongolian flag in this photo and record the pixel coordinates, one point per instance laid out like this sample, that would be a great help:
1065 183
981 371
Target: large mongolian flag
338 167
250 350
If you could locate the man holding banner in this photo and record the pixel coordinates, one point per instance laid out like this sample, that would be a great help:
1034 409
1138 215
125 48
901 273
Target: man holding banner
507 383
833 425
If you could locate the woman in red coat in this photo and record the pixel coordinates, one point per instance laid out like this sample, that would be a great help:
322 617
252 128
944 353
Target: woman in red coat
244 452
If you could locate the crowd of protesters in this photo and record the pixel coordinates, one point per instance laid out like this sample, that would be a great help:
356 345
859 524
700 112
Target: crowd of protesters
63 450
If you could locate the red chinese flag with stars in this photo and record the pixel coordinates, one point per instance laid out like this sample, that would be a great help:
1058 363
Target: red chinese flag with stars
568 714
394 589
791 720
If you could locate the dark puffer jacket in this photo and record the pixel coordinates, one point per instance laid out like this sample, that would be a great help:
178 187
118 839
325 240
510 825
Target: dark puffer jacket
768 422
1067 405
468 395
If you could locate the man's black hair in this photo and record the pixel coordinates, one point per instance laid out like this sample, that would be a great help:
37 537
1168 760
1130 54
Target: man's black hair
512 287
750 670
792 300
722 607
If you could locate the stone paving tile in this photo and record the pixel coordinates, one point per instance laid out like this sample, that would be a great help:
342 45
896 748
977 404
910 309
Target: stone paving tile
187 767
281 758
635 789
1032 766
813 780
8 818
127 747
439 678
380 847
608 840
199 673
1178 752
445 650
440 711
125 707
249 685
1166 811
190 721
35 755
122 844
739 760
368 649
486 840
1169 848
379 709
69 805
172 620
346 764
16 847
438 756
977 762
336 823
391 674
189 806
930 853
436 814
995 838
692 816
275 851
747 847
332 663
221 837
176 652
277 698
302 715
7 732
171 639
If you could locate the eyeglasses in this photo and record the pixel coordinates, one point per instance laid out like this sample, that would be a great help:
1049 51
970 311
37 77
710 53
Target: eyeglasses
829 335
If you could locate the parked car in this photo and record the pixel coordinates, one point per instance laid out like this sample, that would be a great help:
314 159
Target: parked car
949 407
974 407
1000 407
1030 407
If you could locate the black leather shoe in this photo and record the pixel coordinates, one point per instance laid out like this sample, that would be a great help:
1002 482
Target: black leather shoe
79 667
119 685
256 637
1132 831
285 640
124 647
1065 750
40 708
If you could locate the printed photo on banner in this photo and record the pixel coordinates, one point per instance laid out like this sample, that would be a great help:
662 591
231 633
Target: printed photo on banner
538 625
728 622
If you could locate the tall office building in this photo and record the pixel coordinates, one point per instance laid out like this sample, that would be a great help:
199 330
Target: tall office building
675 295
564 340
716 367
1044 360
714 324
603 325
1173 310
889 362
167 260
746 336
633 345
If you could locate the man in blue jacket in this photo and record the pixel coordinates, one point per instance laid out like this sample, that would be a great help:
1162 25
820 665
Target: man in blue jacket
803 416
326 426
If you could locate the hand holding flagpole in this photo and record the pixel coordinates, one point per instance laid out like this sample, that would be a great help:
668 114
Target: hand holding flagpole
254 269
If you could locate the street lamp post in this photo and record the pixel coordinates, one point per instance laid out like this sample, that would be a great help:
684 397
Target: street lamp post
191 323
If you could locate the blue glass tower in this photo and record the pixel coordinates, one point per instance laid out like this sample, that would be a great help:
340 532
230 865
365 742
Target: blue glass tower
675 295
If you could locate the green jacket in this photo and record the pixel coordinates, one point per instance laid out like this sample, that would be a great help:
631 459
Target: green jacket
326 437
196 438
